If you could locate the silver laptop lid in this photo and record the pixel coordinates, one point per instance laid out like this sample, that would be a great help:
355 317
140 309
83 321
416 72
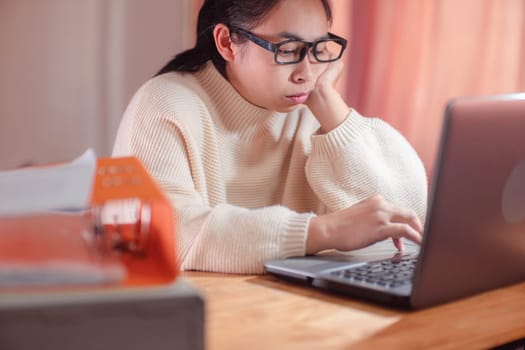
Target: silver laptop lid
475 234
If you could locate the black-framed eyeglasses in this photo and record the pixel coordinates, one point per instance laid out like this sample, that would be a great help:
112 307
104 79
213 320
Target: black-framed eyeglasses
292 51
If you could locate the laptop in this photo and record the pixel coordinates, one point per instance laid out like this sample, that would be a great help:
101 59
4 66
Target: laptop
474 238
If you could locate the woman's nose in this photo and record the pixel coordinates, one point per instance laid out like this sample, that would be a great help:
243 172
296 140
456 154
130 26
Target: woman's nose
303 71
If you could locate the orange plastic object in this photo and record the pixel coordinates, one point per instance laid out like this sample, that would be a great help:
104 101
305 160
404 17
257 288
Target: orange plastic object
126 178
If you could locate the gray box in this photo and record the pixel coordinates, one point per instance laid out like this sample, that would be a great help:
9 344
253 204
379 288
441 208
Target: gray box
157 317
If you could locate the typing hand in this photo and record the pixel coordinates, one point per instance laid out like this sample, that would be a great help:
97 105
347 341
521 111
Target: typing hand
371 220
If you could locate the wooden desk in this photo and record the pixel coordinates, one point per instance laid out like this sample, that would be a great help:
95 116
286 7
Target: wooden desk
261 312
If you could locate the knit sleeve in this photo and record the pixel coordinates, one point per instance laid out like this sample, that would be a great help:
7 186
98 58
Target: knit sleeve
210 235
363 157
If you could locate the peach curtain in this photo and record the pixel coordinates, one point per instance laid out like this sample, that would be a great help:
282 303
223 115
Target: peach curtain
406 58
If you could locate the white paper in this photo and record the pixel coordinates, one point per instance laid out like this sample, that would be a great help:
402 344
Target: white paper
59 187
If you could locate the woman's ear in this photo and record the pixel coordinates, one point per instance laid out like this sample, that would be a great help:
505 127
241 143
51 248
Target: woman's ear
221 35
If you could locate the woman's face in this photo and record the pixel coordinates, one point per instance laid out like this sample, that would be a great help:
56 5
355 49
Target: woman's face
253 71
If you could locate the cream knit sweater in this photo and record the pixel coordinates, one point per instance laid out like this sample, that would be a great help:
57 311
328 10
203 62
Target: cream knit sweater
245 181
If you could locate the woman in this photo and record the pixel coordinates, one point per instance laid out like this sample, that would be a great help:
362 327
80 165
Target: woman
258 153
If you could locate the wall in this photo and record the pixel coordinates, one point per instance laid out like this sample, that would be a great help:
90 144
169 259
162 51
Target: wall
69 67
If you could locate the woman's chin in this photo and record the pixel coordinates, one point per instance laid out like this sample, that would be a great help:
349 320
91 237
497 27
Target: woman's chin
287 108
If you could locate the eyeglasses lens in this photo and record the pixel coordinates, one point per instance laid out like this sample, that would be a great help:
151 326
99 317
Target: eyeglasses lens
323 51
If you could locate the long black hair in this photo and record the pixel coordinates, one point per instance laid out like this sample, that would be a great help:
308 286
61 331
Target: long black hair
233 13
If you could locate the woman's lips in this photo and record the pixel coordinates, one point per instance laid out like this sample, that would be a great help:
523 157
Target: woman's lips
299 98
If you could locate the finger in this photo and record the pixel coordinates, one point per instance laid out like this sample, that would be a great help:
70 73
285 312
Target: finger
401 230
331 74
407 216
398 243
336 69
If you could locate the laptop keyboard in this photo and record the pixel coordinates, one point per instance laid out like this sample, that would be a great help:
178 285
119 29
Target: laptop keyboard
385 273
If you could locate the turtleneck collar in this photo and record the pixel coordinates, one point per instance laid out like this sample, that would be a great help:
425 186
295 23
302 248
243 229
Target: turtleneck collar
234 112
